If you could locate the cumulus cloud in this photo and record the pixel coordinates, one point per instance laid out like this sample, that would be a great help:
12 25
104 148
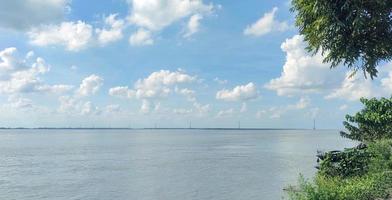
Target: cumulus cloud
89 108
197 110
225 113
301 104
386 82
266 24
73 35
303 73
72 105
353 88
20 75
18 102
112 108
239 93
24 14
60 88
141 37
244 107
90 85
188 93
193 25
157 14
154 15
182 111
275 112
202 109
123 92
343 107
113 31
220 81
145 107
157 84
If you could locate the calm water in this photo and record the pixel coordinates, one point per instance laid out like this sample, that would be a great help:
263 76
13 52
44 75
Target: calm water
157 164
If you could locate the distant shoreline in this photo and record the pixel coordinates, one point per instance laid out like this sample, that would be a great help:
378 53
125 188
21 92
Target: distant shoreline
60 128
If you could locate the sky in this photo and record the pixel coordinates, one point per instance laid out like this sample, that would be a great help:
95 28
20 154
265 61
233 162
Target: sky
168 63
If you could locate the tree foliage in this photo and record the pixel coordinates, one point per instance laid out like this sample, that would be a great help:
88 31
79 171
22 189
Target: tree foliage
372 123
356 33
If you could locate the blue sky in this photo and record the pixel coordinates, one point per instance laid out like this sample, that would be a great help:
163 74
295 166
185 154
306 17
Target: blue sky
137 63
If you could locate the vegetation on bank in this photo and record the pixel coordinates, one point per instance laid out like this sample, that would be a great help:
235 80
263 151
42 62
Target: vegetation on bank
363 172
356 34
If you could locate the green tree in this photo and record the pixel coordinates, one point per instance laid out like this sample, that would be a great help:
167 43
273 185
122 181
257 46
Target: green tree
372 123
356 33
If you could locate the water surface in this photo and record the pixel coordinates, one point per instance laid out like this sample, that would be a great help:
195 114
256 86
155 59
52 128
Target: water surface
157 164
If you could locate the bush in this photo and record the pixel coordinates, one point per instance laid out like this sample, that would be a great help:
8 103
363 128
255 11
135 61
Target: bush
381 152
347 163
369 186
363 172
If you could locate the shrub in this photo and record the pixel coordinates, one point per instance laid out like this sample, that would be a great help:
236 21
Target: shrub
363 172
369 186
347 163
381 152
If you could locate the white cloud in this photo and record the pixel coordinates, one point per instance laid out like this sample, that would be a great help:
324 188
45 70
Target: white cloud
197 110
90 85
239 93
89 108
386 82
72 105
114 31
24 14
244 107
19 75
112 108
29 54
10 62
56 88
225 113
73 35
188 93
218 80
200 109
302 103
145 107
157 14
343 107
123 92
266 24
182 111
141 37
353 88
19 102
276 112
151 16
302 72
67 104
156 85
193 25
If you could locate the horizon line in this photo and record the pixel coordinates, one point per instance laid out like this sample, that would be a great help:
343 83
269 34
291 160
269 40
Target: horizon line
152 128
